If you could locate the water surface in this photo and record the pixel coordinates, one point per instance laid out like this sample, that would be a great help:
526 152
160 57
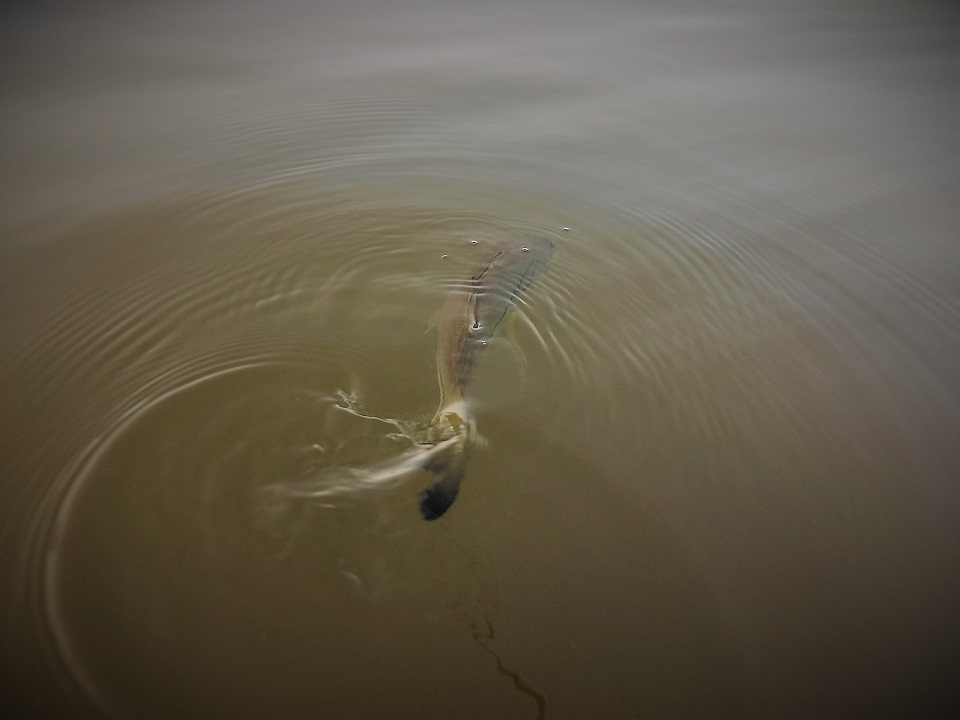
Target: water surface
718 467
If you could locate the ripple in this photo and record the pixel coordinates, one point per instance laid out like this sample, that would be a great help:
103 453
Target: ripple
216 330
224 325
289 282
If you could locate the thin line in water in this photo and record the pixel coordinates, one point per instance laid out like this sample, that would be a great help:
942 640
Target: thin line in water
479 636
518 682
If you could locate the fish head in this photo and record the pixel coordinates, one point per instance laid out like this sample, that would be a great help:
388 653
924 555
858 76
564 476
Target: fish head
452 421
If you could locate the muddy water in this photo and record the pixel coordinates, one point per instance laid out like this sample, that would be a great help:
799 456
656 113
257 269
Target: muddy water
717 468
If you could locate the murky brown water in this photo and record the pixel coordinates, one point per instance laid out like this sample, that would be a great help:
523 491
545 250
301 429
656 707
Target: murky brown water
719 468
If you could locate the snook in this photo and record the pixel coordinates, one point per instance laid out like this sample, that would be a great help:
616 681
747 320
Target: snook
467 321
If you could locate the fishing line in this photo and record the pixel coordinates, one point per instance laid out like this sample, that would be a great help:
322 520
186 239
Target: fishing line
487 595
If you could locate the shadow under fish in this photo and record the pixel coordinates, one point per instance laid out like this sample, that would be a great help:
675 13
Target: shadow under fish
465 325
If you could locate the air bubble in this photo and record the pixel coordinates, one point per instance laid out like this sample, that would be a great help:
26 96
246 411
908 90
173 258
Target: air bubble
473 242
566 228
442 257
526 249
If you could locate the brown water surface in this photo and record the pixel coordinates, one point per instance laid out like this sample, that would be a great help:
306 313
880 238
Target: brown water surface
718 469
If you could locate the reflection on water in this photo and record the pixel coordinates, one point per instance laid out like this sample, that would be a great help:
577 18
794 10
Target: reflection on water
717 478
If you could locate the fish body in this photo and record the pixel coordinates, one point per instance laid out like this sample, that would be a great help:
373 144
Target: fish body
468 319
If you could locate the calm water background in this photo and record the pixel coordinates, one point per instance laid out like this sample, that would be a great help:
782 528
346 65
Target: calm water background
720 479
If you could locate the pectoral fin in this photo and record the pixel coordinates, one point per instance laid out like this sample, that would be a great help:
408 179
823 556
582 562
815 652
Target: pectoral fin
432 322
510 329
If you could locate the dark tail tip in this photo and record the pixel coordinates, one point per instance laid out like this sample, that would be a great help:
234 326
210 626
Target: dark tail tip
437 499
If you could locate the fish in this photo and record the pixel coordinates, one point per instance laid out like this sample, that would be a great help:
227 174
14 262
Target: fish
470 315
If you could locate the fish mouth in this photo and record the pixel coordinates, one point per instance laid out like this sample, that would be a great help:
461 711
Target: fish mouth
455 430
437 499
